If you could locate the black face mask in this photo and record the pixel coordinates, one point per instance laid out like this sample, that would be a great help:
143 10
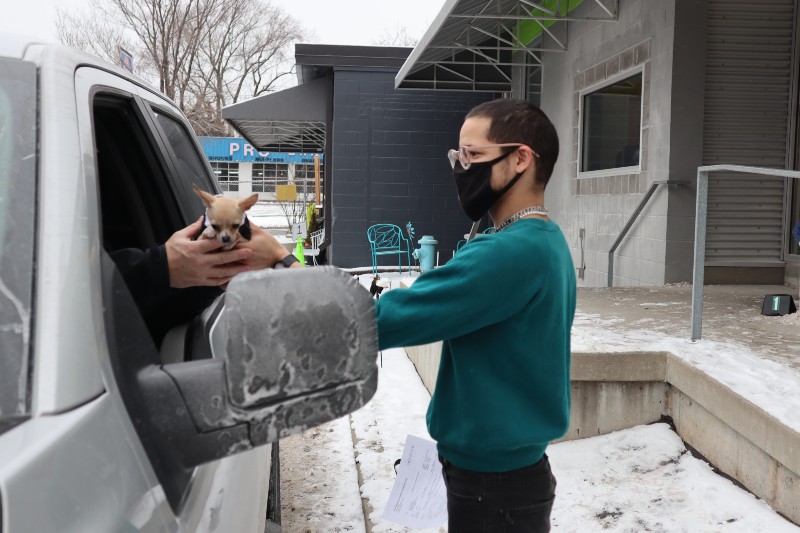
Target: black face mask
474 187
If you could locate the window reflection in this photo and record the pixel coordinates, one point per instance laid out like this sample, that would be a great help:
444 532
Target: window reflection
611 126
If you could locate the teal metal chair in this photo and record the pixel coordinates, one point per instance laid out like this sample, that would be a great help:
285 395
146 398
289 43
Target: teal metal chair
388 239
462 242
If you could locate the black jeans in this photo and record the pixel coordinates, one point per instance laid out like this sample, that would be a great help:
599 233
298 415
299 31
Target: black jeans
499 502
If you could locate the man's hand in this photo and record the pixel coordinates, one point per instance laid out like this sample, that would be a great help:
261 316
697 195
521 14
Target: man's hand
197 263
266 250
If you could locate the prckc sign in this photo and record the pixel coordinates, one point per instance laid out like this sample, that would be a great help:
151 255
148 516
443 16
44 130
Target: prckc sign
236 149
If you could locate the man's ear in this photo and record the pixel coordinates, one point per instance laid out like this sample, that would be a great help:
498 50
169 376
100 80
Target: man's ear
525 159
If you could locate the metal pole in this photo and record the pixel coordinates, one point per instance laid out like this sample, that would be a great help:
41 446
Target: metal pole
699 254
317 198
627 227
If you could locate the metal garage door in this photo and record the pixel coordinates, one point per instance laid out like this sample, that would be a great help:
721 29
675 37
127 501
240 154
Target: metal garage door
748 80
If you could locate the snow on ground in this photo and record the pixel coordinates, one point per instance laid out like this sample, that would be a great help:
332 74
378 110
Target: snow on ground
319 481
269 221
643 479
380 429
639 479
268 215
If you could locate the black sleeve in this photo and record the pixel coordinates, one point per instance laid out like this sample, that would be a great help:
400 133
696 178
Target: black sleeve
146 273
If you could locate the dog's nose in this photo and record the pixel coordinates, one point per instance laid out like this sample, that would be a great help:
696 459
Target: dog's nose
226 239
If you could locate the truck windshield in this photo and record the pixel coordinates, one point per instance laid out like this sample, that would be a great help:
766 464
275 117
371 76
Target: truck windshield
18 155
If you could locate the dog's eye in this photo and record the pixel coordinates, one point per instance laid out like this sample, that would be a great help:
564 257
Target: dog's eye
235 226
215 227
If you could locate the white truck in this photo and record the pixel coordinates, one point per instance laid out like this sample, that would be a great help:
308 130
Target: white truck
104 426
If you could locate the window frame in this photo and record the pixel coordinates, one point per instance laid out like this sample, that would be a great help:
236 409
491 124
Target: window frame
792 198
176 482
608 82
232 181
161 157
15 403
191 205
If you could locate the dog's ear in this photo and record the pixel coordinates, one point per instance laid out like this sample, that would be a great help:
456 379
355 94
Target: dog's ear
207 198
249 202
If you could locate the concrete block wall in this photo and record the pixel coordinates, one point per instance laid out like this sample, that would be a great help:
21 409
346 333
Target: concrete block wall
389 163
641 38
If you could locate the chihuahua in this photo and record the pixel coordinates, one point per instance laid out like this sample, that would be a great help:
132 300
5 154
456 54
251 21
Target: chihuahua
225 218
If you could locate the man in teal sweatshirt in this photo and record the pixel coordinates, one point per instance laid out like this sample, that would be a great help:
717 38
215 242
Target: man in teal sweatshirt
503 307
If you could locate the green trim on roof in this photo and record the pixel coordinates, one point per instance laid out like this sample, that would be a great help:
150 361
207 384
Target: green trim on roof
528 30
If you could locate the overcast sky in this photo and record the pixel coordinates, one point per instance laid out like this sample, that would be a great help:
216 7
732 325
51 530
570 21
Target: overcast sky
361 22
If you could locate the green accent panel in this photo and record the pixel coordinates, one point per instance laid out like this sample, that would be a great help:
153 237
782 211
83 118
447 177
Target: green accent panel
528 30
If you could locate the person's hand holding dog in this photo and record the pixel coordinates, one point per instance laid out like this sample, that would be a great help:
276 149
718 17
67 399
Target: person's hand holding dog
266 249
195 263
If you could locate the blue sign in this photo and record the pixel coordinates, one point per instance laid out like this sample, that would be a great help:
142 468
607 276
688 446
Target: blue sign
236 149
796 231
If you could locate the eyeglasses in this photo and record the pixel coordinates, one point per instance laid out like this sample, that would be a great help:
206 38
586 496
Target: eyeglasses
465 154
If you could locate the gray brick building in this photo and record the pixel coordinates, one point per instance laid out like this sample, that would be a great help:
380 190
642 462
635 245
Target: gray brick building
642 93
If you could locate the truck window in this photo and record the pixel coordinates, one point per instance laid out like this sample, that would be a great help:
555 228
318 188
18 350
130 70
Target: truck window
140 212
191 166
139 208
18 156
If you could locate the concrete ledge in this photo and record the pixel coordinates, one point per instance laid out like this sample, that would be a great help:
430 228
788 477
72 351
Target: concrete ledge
426 361
627 366
600 407
614 391
758 426
731 452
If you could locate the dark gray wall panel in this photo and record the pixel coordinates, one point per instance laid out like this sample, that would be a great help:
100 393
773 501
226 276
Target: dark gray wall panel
389 163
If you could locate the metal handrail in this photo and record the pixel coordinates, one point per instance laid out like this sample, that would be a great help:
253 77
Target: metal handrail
631 220
701 215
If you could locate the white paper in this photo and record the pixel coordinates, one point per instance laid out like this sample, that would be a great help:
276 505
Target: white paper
419 497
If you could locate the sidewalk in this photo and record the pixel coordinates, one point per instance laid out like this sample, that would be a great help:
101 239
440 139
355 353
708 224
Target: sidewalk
732 313
338 477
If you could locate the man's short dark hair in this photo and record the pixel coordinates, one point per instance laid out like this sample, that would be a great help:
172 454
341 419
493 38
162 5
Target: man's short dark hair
517 121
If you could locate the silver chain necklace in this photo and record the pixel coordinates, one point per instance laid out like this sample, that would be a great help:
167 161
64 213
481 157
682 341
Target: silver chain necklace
532 210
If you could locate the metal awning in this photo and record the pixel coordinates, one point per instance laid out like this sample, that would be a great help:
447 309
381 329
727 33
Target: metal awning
292 120
473 44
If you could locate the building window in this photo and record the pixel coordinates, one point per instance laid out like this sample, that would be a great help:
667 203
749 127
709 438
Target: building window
611 126
305 179
227 175
267 175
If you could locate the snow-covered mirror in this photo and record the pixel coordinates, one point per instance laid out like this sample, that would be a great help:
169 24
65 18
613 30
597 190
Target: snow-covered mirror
301 349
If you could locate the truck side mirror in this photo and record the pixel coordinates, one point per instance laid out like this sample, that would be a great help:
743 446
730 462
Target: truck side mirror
301 349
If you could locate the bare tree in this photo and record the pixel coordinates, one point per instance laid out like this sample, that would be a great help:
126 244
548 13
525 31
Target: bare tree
94 35
244 54
400 37
203 54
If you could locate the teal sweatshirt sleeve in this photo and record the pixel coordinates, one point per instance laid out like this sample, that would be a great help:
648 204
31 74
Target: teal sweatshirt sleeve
476 288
